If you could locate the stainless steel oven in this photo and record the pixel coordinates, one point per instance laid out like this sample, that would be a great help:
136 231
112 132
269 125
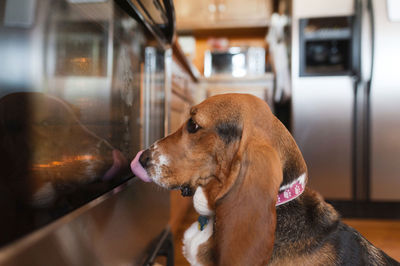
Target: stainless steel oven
82 89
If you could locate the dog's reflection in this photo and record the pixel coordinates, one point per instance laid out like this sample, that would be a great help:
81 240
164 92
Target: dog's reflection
48 158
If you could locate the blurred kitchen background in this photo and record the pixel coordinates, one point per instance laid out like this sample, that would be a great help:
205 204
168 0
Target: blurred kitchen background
85 84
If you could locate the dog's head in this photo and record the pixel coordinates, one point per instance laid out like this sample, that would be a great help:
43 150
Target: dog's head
214 140
240 154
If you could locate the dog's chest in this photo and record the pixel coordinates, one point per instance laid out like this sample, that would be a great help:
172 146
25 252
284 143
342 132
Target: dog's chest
199 232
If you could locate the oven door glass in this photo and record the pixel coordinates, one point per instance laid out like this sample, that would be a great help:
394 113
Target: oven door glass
81 91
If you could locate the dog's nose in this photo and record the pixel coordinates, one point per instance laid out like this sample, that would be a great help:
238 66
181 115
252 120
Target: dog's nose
145 158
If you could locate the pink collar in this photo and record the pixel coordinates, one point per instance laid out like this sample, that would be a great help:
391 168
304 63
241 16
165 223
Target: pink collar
291 191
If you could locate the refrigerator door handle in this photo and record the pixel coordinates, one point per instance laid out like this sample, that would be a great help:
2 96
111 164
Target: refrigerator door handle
372 23
367 41
364 66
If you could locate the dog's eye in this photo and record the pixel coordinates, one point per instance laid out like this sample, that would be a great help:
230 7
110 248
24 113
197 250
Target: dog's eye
192 127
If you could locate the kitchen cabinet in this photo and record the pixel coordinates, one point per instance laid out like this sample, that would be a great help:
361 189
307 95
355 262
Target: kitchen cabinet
189 13
255 12
214 14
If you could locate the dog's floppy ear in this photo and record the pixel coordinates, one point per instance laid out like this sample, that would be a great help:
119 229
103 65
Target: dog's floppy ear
244 197
245 207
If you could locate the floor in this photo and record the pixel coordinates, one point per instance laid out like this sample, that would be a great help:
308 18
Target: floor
384 234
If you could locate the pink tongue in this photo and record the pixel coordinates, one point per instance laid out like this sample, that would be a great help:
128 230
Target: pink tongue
119 164
138 169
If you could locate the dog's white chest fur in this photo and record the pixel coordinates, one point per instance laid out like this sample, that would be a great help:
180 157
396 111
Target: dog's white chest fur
193 236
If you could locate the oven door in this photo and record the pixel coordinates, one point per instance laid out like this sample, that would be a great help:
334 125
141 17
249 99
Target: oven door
82 90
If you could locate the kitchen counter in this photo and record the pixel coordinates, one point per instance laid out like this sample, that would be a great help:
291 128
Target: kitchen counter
261 86
268 76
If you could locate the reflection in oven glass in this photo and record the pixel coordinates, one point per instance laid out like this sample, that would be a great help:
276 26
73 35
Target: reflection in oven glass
74 104
81 49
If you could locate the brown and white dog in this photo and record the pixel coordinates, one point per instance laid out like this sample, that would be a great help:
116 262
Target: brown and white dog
249 180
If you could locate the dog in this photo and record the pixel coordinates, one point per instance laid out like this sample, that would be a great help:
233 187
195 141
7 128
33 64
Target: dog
249 182
50 162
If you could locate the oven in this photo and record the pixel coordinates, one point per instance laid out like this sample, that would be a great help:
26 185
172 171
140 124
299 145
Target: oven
83 87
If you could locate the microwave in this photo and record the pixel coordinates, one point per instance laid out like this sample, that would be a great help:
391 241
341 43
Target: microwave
235 61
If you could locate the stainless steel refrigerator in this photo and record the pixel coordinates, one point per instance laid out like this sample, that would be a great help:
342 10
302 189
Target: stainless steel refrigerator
345 105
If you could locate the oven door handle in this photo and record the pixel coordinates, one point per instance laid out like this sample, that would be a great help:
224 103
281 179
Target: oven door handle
165 33
170 30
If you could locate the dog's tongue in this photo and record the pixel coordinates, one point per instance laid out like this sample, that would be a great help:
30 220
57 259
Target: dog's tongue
120 164
138 169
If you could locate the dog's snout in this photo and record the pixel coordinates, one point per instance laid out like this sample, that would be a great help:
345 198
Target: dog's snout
145 158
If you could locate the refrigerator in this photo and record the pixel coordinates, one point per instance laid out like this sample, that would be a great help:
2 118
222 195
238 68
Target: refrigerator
345 111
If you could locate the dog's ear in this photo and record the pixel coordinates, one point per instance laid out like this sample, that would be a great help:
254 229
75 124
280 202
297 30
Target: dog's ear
292 161
245 199
245 207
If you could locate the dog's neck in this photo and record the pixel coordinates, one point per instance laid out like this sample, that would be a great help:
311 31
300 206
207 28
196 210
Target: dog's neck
313 216
200 203
286 193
